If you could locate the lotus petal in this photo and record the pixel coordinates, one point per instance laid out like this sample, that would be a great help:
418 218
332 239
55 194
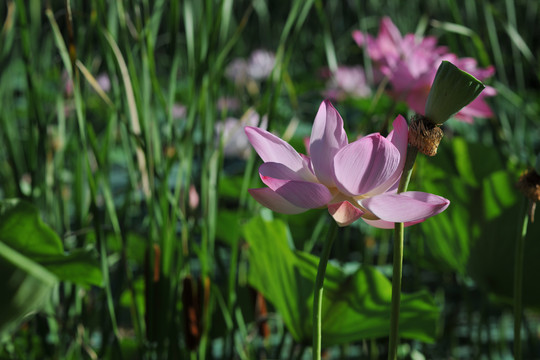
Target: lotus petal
366 164
405 207
327 137
270 199
303 194
344 213
272 149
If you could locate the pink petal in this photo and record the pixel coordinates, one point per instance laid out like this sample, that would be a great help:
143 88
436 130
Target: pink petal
366 164
399 137
272 149
388 41
359 38
327 137
489 91
275 202
477 108
303 194
417 98
278 171
389 31
470 65
405 207
344 213
381 224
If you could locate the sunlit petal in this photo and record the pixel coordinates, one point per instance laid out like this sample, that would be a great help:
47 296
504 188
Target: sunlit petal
268 198
327 137
344 213
405 207
398 136
272 149
280 171
303 194
365 164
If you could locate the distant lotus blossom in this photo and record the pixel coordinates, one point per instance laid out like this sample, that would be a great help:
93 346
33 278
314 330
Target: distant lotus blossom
104 82
228 103
356 180
231 130
260 64
237 71
193 197
347 81
410 64
257 67
178 111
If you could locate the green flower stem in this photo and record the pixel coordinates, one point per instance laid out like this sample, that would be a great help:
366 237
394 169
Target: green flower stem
407 169
398 259
318 292
518 280
396 291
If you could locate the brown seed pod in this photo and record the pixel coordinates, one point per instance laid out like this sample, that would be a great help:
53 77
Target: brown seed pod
424 135
529 185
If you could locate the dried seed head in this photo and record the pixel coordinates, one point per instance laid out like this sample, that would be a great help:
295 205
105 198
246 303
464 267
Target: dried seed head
529 185
424 135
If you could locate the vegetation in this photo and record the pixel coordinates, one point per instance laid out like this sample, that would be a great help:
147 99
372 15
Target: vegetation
126 226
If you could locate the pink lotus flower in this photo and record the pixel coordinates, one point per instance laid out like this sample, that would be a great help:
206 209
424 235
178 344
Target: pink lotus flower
347 81
356 180
258 67
410 64
178 111
235 142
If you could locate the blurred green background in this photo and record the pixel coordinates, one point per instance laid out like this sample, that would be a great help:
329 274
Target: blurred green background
135 237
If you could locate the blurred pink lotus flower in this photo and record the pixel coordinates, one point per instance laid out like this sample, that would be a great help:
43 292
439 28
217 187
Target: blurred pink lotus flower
235 142
178 111
257 67
410 64
237 71
228 103
193 197
347 81
260 64
356 180
104 82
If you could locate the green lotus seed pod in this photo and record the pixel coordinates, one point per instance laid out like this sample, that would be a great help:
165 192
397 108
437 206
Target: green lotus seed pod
452 90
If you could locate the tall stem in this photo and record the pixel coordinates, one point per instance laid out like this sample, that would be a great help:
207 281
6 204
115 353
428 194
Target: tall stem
396 291
398 259
518 281
407 169
318 292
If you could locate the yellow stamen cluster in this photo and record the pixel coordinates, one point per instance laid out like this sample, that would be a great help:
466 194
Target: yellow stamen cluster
424 135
